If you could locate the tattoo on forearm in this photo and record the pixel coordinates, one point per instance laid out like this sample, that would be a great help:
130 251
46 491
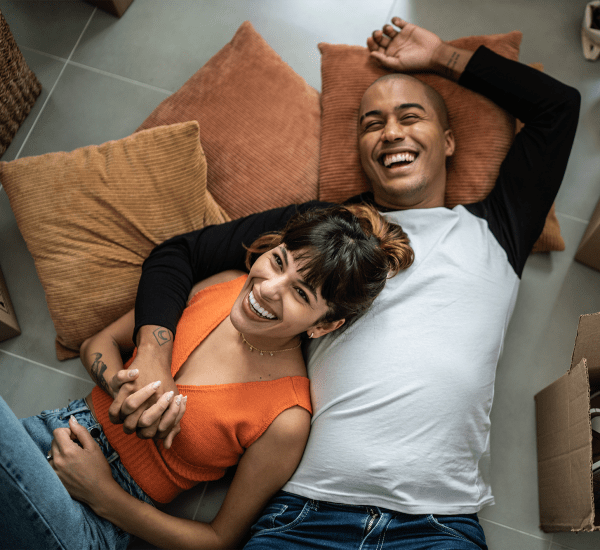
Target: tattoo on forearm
451 65
97 371
162 336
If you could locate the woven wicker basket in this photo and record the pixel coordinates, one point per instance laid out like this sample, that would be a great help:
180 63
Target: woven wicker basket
19 87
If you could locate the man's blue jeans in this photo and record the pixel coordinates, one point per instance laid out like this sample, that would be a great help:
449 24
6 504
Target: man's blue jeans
291 522
36 510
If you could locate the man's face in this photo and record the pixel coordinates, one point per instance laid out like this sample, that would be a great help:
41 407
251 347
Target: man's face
403 147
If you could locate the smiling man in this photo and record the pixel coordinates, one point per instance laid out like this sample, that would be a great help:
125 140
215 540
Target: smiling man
399 455
404 141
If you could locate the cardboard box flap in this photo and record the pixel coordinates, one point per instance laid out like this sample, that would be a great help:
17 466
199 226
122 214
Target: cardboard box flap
564 453
587 344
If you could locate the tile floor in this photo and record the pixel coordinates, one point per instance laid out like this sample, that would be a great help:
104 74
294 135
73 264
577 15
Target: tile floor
102 76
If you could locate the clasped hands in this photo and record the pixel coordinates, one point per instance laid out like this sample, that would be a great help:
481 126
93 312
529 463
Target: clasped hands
153 411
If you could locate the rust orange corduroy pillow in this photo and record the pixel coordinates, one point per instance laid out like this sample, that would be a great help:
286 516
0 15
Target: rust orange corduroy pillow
483 131
91 216
260 125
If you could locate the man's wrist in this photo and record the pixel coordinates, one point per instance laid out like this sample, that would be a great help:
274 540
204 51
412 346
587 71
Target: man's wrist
449 61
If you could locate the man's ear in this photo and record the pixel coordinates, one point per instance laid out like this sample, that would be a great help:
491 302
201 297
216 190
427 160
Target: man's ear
325 328
450 145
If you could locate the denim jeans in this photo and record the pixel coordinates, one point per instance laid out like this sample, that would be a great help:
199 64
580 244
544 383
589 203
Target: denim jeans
291 522
37 511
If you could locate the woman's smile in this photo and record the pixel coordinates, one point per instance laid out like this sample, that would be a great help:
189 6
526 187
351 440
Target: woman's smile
260 311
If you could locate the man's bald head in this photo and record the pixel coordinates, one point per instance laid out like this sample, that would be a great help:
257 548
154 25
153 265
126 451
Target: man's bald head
436 100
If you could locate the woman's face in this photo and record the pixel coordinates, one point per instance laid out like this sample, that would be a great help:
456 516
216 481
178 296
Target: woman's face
276 303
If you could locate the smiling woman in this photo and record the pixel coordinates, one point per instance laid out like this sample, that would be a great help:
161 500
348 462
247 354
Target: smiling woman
237 359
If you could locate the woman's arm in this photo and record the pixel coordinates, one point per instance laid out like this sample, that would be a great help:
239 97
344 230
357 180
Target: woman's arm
262 471
101 353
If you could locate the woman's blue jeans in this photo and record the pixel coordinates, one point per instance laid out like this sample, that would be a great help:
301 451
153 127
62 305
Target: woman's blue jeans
292 522
36 509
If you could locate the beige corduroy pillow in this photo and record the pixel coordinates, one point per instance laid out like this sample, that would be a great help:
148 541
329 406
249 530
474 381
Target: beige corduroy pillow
91 216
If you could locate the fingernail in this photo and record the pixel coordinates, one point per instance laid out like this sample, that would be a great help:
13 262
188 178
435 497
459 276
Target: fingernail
133 373
73 419
156 384
169 396
178 400
185 400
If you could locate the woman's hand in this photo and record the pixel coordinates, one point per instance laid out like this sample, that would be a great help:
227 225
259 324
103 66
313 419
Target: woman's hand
166 413
80 464
411 48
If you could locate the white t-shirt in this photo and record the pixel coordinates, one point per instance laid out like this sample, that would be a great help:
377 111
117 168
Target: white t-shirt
402 399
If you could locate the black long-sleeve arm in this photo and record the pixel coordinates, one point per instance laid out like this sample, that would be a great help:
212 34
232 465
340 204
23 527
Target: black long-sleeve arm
534 167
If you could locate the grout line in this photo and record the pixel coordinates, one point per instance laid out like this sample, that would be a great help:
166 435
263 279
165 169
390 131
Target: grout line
45 366
513 529
55 84
119 77
100 71
573 218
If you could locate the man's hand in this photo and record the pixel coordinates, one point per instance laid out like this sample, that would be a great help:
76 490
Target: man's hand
414 49
411 48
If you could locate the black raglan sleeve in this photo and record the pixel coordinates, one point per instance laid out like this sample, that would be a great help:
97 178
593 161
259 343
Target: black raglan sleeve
174 266
534 167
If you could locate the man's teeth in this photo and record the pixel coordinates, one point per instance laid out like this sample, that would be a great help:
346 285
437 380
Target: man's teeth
259 310
398 157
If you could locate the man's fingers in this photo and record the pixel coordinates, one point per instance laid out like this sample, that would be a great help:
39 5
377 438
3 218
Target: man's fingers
135 400
130 422
155 412
389 32
400 23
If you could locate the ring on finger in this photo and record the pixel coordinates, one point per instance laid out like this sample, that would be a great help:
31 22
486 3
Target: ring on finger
49 457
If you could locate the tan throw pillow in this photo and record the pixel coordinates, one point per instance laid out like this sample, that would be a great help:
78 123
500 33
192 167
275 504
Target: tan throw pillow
483 131
260 125
91 216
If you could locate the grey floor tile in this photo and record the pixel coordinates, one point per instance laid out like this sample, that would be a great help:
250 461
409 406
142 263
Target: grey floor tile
51 27
164 43
575 541
28 389
503 538
213 498
36 341
90 108
47 71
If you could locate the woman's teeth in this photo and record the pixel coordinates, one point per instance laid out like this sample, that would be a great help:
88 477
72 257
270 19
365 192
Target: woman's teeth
259 310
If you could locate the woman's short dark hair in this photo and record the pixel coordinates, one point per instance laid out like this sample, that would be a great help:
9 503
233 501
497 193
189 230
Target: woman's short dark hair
348 251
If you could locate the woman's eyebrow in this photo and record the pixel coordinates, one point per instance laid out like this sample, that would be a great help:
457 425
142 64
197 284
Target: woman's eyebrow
308 287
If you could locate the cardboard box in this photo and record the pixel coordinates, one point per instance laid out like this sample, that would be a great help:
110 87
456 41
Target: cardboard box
9 326
564 438
588 252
